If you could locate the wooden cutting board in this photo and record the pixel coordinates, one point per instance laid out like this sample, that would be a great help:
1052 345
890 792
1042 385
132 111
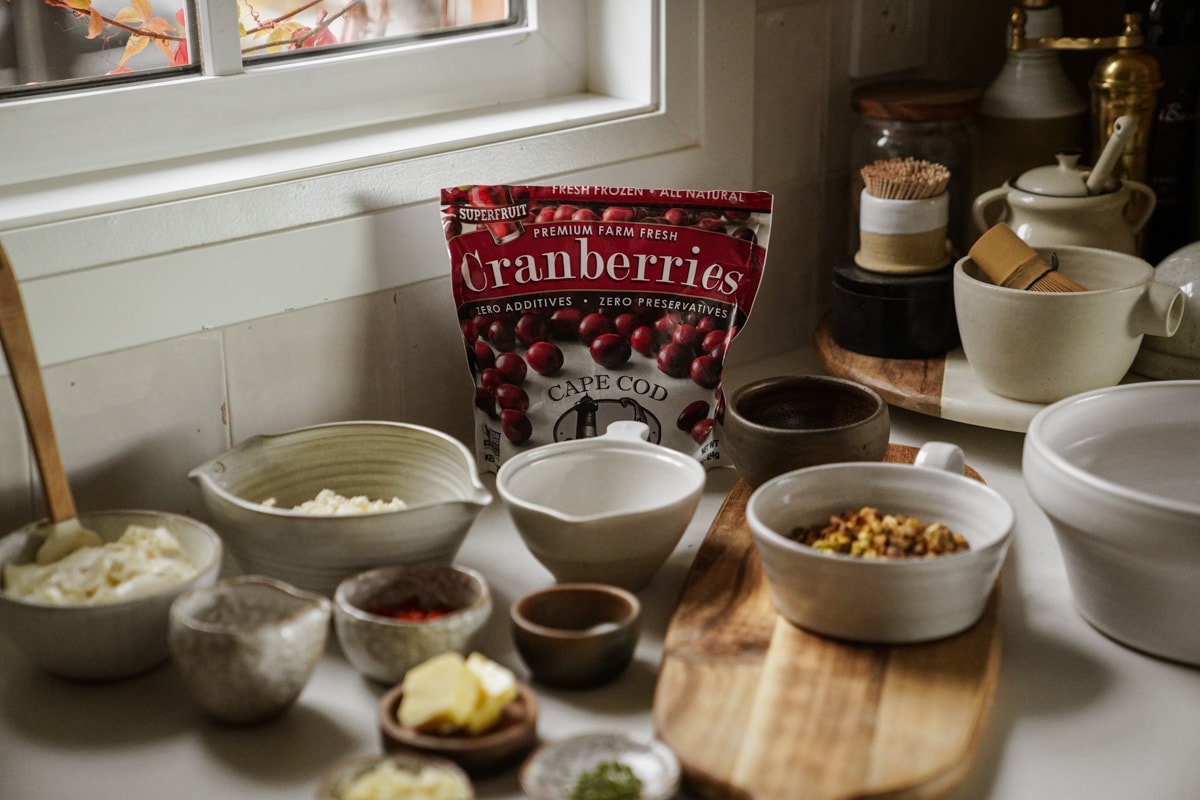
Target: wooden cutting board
757 708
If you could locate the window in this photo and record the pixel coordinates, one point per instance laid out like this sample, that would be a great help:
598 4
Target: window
68 44
289 185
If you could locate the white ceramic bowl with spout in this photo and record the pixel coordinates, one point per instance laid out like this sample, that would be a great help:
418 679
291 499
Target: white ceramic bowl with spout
1117 471
430 471
1043 346
608 509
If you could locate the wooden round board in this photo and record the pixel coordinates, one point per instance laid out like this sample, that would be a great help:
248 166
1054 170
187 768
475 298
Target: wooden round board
757 708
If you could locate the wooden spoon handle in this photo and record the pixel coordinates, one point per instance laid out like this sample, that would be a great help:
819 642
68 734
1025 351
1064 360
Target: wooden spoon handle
27 379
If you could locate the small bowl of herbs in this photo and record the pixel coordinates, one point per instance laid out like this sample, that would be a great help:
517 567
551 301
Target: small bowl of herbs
601 766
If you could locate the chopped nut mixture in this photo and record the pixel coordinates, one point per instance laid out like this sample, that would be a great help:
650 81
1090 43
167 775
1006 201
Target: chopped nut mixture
868 534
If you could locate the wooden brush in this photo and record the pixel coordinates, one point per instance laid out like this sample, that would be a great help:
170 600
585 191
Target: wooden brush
905 179
1012 263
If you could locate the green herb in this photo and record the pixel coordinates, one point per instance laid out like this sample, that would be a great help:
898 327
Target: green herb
608 780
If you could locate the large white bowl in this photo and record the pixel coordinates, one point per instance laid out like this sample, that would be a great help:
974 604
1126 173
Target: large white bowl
431 471
113 640
607 509
881 600
1117 471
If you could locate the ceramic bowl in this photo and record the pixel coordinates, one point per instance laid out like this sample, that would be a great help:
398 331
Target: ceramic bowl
246 646
1176 357
432 472
554 769
779 424
576 635
1043 346
480 755
881 600
339 779
108 641
382 637
1115 470
608 509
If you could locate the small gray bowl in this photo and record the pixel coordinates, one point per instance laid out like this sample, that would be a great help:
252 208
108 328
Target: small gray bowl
779 424
576 635
383 646
431 471
246 646
111 640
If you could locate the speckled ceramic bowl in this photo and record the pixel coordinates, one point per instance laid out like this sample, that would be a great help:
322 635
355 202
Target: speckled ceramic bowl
576 635
554 769
381 642
246 646
432 472
115 640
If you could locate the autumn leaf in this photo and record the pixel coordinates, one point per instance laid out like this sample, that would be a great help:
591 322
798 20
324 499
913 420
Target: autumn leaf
134 46
81 5
129 16
95 23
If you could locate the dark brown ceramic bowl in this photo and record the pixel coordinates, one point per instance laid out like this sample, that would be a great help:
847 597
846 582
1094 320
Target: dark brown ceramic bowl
503 746
576 635
776 425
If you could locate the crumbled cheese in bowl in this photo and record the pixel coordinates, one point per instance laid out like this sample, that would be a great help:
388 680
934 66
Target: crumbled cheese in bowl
142 561
387 781
328 501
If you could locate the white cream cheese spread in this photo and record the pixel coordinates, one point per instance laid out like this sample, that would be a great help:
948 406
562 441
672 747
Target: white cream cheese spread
328 501
142 561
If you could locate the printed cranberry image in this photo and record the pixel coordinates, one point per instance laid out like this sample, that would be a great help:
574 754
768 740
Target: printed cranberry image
531 328
491 378
594 325
502 335
485 402
544 358
713 343
486 196
513 397
678 216
701 430
546 214
626 324
692 413
706 371
610 350
687 335
564 323
585 215
512 367
564 212
515 426
484 356
618 214
644 340
675 360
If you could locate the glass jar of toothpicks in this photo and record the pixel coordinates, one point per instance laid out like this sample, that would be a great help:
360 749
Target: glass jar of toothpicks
903 214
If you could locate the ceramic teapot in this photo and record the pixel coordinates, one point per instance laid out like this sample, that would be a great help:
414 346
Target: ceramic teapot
1052 205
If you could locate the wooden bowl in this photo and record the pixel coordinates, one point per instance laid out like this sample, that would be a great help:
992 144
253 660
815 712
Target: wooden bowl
503 746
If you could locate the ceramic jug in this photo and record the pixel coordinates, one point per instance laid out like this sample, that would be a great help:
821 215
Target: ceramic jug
1051 205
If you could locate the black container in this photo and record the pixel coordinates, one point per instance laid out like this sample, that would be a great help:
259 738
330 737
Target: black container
893 315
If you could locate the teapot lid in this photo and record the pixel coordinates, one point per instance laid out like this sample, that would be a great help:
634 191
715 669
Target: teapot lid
1064 179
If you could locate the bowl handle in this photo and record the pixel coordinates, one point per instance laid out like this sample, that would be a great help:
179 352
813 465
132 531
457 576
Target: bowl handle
628 430
941 455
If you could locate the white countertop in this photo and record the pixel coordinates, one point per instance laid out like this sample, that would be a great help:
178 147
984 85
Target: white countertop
1075 714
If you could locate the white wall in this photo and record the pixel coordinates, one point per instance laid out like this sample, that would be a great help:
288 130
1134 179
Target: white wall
131 422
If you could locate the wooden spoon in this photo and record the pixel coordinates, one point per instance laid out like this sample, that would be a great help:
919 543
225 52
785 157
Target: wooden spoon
65 534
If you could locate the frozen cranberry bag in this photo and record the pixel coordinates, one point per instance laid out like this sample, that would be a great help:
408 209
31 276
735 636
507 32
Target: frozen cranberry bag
584 305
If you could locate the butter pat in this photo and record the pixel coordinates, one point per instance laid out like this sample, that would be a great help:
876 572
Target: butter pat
497 688
449 693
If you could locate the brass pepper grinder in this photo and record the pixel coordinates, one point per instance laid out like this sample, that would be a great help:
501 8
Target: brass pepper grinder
1126 83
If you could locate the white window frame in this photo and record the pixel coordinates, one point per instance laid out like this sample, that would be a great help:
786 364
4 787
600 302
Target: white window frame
671 105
